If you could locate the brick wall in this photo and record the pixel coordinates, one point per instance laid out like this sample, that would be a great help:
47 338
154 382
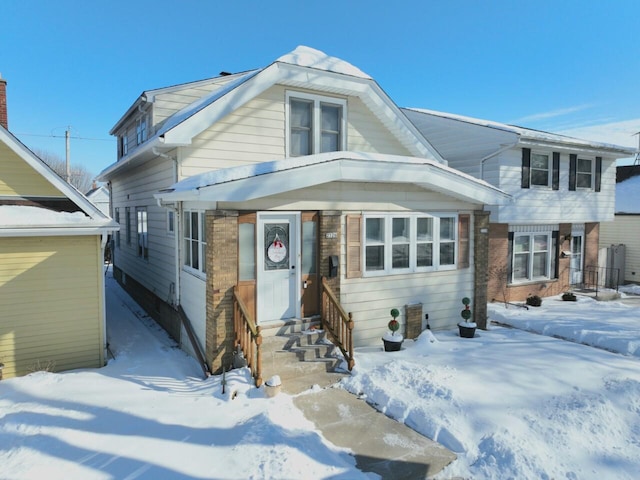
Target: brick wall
330 222
498 287
222 264
4 121
414 320
481 267
592 238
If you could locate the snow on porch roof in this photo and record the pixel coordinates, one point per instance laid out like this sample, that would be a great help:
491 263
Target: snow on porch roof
248 182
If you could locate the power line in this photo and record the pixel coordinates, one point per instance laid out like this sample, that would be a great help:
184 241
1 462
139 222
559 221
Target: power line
62 136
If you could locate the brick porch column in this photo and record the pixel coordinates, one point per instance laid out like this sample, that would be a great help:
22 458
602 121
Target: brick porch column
330 223
481 267
222 274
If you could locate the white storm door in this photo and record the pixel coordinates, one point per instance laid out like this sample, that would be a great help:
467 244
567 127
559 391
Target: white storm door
576 259
278 272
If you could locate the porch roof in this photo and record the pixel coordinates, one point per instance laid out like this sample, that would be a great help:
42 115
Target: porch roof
250 182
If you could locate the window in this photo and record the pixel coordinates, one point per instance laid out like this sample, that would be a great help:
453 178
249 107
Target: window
533 256
117 219
171 219
195 241
584 173
141 229
409 243
127 219
141 129
123 146
315 124
539 169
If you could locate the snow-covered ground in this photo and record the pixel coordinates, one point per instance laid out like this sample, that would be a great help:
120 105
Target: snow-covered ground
512 404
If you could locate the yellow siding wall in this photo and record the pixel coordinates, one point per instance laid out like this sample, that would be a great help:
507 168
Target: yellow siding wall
51 304
19 178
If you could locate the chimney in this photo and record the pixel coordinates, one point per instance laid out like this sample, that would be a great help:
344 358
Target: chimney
3 103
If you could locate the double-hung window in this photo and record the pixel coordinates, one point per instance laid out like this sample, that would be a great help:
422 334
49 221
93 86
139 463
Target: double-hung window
403 243
117 219
141 130
123 145
195 241
315 124
141 231
127 227
533 256
540 169
584 173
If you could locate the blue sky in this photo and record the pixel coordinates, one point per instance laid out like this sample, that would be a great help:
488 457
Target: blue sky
563 66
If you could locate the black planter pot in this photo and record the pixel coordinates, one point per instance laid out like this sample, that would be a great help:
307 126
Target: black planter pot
390 346
466 332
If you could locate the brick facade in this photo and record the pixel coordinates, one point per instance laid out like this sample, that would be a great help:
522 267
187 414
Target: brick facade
222 274
481 266
330 223
499 288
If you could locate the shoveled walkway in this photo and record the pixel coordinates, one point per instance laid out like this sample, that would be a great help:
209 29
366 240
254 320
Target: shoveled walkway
379 443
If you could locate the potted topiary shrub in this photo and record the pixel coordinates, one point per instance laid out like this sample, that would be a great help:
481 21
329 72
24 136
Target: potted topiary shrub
466 328
534 300
569 297
393 342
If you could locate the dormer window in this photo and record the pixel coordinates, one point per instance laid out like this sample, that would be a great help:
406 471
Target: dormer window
141 129
123 145
315 124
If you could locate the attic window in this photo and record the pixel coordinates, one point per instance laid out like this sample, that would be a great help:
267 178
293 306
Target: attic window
315 124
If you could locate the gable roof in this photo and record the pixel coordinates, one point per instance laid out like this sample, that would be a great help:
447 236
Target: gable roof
21 220
248 182
302 68
432 124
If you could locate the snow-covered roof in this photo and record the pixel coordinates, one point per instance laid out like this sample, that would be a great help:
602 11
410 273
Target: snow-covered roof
94 221
528 133
310 57
628 196
302 68
237 183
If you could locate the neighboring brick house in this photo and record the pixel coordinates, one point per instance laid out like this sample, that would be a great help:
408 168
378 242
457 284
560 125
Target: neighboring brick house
269 180
563 188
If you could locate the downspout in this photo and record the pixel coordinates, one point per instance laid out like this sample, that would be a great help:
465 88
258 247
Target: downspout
176 227
103 313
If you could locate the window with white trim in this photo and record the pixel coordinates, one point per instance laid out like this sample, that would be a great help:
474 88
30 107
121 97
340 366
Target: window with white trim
117 219
532 256
315 124
195 241
584 173
171 220
142 233
127 219
123 145
403 243
141 129
540 169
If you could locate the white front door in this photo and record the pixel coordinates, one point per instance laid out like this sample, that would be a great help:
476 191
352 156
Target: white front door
576 259
278 272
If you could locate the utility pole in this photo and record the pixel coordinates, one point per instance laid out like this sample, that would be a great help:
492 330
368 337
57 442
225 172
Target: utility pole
67 149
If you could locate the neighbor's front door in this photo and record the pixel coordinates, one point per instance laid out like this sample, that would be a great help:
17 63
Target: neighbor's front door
576 259
278 272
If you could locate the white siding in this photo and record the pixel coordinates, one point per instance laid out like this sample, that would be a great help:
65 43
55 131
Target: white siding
135 188
544 205
355 196
193 300
625 229
371 299
166 104
256 133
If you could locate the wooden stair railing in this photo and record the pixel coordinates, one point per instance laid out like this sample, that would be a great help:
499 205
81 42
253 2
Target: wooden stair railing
338 323
247 337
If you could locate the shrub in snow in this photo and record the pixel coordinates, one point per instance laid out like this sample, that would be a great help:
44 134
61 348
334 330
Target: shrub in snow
534 300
